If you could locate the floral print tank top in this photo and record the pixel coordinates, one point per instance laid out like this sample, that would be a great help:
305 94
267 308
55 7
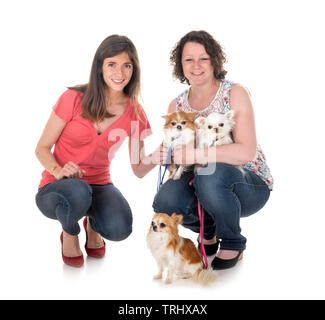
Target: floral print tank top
220 103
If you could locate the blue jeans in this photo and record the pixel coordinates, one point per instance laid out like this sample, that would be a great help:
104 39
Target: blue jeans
69 200
226 195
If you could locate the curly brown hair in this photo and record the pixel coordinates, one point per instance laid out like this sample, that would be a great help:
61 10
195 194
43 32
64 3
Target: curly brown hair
212 47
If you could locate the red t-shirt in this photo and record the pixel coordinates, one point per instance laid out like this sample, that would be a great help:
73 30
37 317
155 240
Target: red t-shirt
80 143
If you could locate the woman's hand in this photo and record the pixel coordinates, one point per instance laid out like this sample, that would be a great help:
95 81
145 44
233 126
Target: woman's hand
159 156
184 155
70 170
142 164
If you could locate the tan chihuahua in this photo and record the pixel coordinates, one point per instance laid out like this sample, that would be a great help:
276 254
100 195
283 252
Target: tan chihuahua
179 255
179 129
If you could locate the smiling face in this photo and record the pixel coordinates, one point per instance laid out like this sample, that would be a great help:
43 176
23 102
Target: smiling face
117 71
196 64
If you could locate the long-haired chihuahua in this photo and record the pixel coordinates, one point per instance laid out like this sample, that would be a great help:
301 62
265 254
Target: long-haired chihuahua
215 130
176 254
179 129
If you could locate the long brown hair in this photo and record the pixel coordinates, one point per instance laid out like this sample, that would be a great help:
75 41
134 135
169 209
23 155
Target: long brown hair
212 47
95 97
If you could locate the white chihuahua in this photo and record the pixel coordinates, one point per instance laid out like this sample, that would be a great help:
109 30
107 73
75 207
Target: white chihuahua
215 130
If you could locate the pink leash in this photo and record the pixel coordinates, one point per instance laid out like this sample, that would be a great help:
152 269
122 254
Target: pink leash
201 217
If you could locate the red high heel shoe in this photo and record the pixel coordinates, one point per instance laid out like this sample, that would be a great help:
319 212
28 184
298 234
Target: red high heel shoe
71 261
94 252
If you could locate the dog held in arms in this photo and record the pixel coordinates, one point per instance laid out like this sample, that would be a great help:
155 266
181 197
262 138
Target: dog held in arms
179 129
178 255
215 130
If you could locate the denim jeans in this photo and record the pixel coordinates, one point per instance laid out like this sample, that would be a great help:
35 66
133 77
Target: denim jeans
226 195
69 200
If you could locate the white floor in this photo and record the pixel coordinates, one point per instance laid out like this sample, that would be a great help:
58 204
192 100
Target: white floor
281 260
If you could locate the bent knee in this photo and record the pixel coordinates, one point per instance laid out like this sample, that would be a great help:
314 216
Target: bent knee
73 197
164 204
170 202
117 233
81 187
222 174
80 193
116 228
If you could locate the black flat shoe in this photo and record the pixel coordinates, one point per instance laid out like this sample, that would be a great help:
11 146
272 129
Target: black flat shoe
220 264
210 249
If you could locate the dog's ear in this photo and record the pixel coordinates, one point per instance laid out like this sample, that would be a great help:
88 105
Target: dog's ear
200 122
230 114
177 218
192 115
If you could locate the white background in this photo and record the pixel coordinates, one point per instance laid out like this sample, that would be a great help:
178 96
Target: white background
274 48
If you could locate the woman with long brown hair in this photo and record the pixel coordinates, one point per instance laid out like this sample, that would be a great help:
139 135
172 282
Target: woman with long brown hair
88 124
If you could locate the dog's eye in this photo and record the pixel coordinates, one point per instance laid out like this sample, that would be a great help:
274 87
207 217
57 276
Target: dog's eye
220 124
209 127
173 123
162 225
183 122
152 223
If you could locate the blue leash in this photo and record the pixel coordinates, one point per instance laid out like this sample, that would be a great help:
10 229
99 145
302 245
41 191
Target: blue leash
161 179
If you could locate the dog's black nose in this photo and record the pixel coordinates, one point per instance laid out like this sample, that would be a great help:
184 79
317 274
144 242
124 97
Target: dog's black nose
154 228
216 130
179 127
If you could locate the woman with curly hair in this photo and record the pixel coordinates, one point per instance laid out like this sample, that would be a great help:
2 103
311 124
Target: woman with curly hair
226 194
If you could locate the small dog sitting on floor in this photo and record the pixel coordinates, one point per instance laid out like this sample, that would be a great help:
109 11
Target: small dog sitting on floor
179 129
178 255
215 130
